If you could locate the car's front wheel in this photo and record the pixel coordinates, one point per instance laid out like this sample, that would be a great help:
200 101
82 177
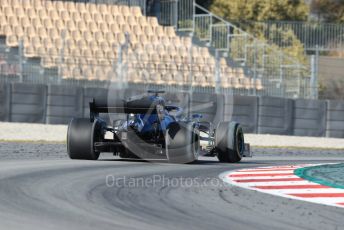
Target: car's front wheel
81 136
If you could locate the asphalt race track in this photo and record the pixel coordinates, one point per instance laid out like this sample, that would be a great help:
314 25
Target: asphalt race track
46 193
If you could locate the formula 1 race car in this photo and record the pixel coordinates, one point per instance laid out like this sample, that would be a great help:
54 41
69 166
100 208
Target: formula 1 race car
152 130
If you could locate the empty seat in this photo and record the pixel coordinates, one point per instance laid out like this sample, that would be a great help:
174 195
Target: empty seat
111 54
246 83
257 83
47 43
120 20
65 16
97 17
87 17
170 32
70 26
120 38
187 41
12 40
131 20
93 45
53 15
19 12
136 11
92 35
81 7
18 31
48 62
53 33
124 10
76 72
176 41
8 11
4 3
3 24
47 23
37 4
125 29
98 36
36 22
235 83
88 73
59 25
142 21
70 6
25 4
115 28
134 76
154 40
48 5
100 74
137 30
159 31
103 27
43 13
103 9
153 21
64 72
58 43
114 10
29 52
41 51
92 26
13 21
99 54
109 19
76 16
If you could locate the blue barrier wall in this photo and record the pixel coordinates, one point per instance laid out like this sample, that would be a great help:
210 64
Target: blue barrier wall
335 119
5 102
63 103
210 106
28 103
309 117
275 116
243 109
267 115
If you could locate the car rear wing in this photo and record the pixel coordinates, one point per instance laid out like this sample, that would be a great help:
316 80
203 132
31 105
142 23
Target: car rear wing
139 106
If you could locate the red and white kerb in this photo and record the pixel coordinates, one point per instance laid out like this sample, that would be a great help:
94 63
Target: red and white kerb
281 181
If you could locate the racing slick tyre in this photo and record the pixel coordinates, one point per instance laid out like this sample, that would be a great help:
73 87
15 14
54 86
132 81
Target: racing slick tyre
81 136
229 142
182 142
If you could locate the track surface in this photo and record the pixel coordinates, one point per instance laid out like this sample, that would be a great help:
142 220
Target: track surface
66 194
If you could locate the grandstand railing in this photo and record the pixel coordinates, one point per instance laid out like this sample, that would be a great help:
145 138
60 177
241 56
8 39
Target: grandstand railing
313 35
127 69
282 75
279 74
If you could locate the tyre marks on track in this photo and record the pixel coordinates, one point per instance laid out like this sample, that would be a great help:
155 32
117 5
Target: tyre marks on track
281 181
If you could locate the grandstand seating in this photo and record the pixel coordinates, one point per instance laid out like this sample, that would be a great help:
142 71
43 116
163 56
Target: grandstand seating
81 40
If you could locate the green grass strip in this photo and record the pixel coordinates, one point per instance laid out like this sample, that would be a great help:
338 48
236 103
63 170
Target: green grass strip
304 173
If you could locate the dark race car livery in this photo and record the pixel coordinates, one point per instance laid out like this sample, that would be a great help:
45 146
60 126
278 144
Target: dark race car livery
153 130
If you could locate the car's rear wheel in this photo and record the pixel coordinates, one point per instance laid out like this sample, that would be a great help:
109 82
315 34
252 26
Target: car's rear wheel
81 136
229 142
182 142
